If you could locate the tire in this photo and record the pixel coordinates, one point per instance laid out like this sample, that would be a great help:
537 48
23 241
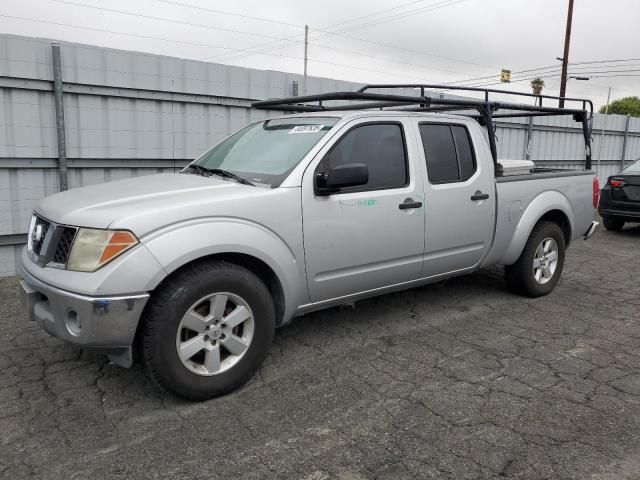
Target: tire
613 224
523 276
219 294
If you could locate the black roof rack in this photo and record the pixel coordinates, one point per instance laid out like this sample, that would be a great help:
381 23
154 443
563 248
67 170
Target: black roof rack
485 109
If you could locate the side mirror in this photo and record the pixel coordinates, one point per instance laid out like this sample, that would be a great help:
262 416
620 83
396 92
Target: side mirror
342 176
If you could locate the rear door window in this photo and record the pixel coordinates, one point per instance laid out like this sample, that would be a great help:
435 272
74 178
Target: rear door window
448 152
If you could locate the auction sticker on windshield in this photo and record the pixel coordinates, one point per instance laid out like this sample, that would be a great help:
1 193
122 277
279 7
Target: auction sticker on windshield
306 129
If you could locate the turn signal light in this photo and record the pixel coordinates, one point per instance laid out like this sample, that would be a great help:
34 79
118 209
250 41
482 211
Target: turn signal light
93 248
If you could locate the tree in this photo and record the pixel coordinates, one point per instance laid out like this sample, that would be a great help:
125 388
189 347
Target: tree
624 106
537 84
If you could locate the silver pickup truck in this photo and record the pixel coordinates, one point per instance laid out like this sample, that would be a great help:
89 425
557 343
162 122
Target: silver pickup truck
301 212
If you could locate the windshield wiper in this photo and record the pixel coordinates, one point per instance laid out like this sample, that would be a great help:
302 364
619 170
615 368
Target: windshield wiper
222 173
228 174
199 168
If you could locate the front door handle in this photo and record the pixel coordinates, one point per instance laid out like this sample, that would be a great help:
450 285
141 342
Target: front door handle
407 204
479 196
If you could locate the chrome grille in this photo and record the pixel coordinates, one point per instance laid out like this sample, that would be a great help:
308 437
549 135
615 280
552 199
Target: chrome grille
39 233
49 244
63 248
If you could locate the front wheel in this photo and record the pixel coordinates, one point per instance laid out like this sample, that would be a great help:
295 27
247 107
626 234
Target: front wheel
208 329
612 223
539 267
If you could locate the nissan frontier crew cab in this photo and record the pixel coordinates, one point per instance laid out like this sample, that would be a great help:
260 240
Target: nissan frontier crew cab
297 213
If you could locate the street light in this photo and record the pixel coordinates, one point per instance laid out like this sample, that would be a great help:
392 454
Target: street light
584 79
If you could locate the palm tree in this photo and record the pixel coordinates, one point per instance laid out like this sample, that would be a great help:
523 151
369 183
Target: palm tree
537 84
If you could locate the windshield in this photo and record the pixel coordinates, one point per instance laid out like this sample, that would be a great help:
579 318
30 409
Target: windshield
266 152
633 168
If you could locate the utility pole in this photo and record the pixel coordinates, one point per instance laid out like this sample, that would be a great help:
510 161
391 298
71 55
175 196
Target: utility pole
59 109
605 120
306 48
565 57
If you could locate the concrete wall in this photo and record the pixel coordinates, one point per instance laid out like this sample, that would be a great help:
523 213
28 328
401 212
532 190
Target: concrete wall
131 113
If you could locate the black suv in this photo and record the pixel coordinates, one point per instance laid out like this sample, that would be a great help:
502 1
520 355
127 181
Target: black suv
620 198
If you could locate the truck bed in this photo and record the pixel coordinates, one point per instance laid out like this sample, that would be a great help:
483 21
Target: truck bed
522 199
544 173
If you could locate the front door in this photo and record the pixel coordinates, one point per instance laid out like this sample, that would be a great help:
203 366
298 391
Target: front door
372 236
459 198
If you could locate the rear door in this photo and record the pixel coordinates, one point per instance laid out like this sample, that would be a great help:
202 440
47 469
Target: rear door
369 237
459 198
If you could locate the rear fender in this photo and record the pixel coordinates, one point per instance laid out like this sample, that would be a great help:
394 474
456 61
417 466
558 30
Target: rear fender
537 208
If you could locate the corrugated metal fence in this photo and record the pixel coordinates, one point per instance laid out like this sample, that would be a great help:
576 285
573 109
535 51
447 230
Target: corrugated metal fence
132 113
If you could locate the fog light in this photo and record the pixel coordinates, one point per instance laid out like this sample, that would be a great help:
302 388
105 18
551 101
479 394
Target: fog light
73 323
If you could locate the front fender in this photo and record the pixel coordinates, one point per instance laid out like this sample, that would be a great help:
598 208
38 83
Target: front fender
179 244
537 208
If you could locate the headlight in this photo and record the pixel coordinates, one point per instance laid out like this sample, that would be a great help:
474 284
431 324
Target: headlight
93 248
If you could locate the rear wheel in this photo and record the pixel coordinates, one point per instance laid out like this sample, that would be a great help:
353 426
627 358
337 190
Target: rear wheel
208 330
612 223
540 265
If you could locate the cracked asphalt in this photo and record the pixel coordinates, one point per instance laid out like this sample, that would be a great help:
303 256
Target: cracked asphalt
463 380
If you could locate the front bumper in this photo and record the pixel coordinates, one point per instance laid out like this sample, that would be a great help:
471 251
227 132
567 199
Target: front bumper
106 323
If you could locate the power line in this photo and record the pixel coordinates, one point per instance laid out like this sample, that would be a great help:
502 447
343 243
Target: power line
606 61
136 35
610 71
620 65
402 15
124 12
516 77
604 75
613 76
428 8
271 44
200 44
362 54
351 51
326 33
594 74
223 12
150 37
549 70
366 69
376 13
490 77
270 20
417 52
374 56
170 20
380 44
262 19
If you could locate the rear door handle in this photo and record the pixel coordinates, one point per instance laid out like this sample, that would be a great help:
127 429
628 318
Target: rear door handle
479 196
407 205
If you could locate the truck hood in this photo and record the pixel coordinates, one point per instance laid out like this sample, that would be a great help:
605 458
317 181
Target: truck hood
122 201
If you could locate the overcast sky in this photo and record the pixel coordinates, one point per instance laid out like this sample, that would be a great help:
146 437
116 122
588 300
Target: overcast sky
374 41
